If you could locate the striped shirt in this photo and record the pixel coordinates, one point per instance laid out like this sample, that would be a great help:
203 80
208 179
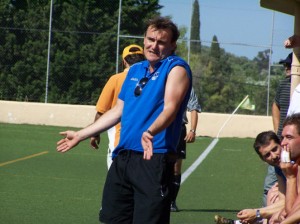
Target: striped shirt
282 100
192 105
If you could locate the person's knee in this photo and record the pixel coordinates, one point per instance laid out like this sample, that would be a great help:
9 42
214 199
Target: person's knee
176 173
177 167
273 194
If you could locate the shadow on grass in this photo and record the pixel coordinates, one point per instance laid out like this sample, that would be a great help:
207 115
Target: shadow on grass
209 210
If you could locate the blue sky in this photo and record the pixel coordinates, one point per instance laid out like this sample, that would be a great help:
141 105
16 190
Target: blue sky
237 24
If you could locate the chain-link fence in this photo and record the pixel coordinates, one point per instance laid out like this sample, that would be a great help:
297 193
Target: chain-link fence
69 59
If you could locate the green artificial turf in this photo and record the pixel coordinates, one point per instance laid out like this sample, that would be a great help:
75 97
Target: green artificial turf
66 188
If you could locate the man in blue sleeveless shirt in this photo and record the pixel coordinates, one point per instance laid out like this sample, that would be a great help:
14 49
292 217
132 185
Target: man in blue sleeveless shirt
151 104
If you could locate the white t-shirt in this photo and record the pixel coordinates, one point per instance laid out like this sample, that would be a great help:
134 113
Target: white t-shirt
295 102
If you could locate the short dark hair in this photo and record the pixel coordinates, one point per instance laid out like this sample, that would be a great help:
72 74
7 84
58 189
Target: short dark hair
293 119
163 23
263 139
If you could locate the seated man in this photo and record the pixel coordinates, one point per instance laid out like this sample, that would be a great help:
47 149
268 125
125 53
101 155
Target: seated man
267 146
291 168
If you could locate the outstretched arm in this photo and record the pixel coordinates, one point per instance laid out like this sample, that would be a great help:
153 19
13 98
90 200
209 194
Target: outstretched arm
249 215
109 119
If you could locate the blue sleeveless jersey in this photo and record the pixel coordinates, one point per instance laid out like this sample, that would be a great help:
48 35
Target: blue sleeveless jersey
141 111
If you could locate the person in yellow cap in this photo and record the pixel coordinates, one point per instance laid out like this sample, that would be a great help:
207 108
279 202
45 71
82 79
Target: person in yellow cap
109 95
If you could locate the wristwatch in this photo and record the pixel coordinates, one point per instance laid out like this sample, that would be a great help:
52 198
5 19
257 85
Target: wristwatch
258 216
150 132
193 130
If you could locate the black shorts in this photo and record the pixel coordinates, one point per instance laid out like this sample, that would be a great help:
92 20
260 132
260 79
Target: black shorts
137 190
181 147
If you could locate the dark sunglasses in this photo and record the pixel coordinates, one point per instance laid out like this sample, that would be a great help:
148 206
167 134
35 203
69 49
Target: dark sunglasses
138 89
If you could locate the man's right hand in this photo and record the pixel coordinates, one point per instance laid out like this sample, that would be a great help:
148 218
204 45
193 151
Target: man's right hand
70 140
247 215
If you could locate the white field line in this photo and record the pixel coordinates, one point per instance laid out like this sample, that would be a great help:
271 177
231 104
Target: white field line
198 161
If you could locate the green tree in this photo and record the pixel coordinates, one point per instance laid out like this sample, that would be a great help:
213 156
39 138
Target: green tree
262 60
215 51
182 49
22 50
83 46
95 46
221 88
195 43
83 55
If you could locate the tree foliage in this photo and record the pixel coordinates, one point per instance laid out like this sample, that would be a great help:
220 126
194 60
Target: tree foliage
262 59
83 46
83 54
221 80
195 44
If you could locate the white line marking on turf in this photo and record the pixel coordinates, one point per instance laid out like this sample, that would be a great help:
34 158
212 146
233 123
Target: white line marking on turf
198 161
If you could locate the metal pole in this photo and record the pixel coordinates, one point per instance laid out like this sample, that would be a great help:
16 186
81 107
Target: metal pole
48 57
270 64
189 38
118 38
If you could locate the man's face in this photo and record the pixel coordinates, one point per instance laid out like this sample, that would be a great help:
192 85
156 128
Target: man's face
271 153
158 44
291 140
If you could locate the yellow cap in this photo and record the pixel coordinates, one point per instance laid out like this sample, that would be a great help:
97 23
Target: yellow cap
128 50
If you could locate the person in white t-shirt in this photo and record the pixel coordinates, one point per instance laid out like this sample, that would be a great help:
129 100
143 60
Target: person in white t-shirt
295 102
291 42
